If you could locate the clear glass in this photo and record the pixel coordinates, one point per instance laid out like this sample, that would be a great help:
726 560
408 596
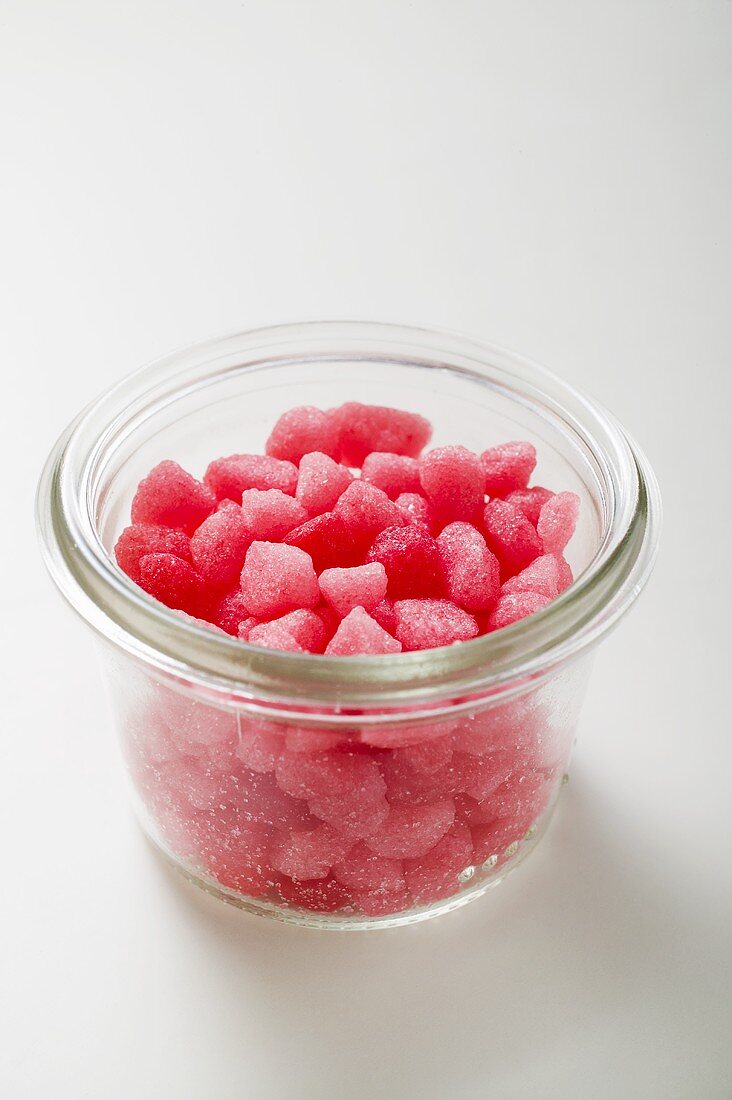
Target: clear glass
345 792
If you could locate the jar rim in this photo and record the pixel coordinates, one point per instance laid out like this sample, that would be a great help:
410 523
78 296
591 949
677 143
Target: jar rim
491 664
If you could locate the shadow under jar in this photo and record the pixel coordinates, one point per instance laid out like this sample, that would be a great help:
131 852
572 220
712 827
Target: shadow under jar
351 792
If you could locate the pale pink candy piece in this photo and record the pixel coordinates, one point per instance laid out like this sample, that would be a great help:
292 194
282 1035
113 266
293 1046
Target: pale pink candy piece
530 501
246 626
260 744
359 634
435 875
382 903
300 431
507 467
362 586
427 757
394 474
355 817
345 789
406 784
366 511
415 509
548 576
274 635
471 571
259 798
399 736
277 578
310 853
304 739
557 521
514 607
140 539
454 482
411 831
194 726
271 514
230 476
362 869
321 481
481 776
425 624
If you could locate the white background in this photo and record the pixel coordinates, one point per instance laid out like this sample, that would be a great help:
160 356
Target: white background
554 176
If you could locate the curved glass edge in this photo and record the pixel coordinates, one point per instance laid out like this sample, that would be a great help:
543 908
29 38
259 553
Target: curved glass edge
147 631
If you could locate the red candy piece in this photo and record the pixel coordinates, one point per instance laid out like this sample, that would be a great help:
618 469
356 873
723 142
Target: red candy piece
300 431
366 428
453 481
270 514
229 477
364 871
306 627
147 538
172 581
384 615
507 467
547 575
320 482
517 605
472 572
318 895
327 540
366 511
410 831
231 611
510 537
435 876
393 474
415 509
171 497
362 586
530 501
424 624
344 789
411 560
359 634
557 521
277 578
219 546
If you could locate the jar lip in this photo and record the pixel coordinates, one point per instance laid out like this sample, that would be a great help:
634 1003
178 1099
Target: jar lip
130 619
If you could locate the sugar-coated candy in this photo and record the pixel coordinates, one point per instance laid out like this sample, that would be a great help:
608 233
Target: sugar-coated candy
530 501
325 895
453 481
277 578
411 560
271 514
435 875
507 467
306 627
471 571
384 615
360 586
547 575
172 581
273 635
510 537
229 477
259 744
394 474
326 539
229 611
382 902
301 431
363 870
147 538
410 831
363 429
320 481
171 497
344 789
359 634
557 521
515 606
309 853
415 509
366 511
425 624
219 546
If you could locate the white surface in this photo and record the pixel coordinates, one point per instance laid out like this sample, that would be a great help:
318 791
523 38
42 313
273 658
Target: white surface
553 176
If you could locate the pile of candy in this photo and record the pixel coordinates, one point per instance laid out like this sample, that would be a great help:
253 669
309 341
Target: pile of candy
292 550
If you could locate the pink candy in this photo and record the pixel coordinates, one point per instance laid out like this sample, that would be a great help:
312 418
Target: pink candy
426 624
471 571
557 521
394 474
364 429
278 578
229 477
359 634
454 482
510 537
320 482
170 497
361 586
270 514
300 431
411 560
508 467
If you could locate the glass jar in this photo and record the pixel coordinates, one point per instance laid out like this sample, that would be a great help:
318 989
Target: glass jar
344 792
